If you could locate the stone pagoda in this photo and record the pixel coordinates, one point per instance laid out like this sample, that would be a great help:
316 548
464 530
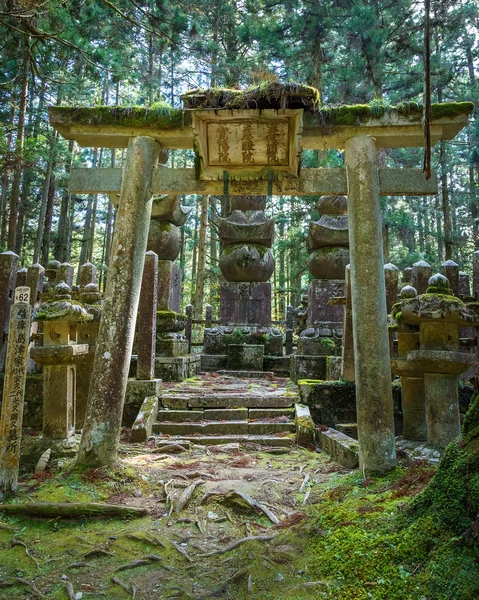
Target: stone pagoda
328 244
172 362
244 335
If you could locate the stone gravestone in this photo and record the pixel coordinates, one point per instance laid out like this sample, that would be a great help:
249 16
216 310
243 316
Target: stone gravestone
14 390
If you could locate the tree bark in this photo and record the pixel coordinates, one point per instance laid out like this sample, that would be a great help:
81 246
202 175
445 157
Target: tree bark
44 201
201 271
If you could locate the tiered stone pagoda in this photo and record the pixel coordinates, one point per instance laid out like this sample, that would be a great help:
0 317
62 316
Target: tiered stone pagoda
429 360
244 335
172 361
328 244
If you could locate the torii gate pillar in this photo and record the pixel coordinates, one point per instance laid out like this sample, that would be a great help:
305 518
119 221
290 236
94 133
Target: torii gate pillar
374 401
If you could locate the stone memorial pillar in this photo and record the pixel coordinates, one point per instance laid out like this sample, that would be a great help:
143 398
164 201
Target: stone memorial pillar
450 270
8 271
172 359
347 356
375 415
464 284
421 273
13 396
145 367
87 333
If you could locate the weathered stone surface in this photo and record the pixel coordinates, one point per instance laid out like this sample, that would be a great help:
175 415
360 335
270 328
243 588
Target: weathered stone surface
340 447
169 286
252 227
248 202
277 364
86 274
328 263
319 293
137 390
475 274
145 368
324 340
307 367
243 357
177 368
349 429
347 363
168 208
450 269
245 303
247 262
421 272
179 416
464 285
270 413
333 368
391 281
65 273
164 239
143 425
375 416
99 445
171 344
305 428
330 230
35 281
270 428
226 401
21 279
214 362
333 205
226 414
170 321
442 409
13 396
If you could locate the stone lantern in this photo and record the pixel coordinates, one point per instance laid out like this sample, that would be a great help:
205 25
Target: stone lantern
58 355
437 315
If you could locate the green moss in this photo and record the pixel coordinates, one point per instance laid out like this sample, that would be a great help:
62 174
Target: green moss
353 115
273 95
262 250
164 315
159 115
61 311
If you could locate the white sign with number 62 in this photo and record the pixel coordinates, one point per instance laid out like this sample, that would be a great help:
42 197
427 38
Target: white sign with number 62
22 294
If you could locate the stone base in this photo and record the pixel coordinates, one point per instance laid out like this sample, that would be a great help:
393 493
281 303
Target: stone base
333 368
305 428
277 364
340 447
139 389
143 424
67 448
334 402
324 340
217 339
177 368
214 362
307 367
245 357
173 346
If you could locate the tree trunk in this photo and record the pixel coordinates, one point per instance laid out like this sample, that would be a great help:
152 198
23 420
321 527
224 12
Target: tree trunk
64 225
17 170
195 250
446 209
44 201
201 271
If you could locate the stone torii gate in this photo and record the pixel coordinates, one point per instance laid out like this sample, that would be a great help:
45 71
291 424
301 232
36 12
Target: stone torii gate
361 180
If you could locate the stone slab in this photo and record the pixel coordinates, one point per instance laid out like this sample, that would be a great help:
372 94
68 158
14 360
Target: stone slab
277 364
266 401
169 286
320 291
264 440
245 357
270 413
304 425
340 447
224 414
179 416
177 368
246 374
175 402
142 427
349 429
333 368
178 428
265 427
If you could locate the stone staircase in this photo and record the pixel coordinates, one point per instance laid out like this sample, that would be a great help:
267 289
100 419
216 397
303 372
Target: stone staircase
220 410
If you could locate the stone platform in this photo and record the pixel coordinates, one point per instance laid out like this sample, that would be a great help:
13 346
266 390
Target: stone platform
224 408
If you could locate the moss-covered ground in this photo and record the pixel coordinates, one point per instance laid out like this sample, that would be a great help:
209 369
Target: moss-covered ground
340 536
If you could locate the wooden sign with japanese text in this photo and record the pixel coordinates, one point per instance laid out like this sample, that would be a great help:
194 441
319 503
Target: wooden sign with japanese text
248 144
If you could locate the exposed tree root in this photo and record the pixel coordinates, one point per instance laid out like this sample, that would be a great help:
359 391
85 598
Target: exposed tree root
250 538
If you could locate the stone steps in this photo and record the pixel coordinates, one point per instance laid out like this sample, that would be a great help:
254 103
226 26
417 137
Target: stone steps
279 441
232 400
